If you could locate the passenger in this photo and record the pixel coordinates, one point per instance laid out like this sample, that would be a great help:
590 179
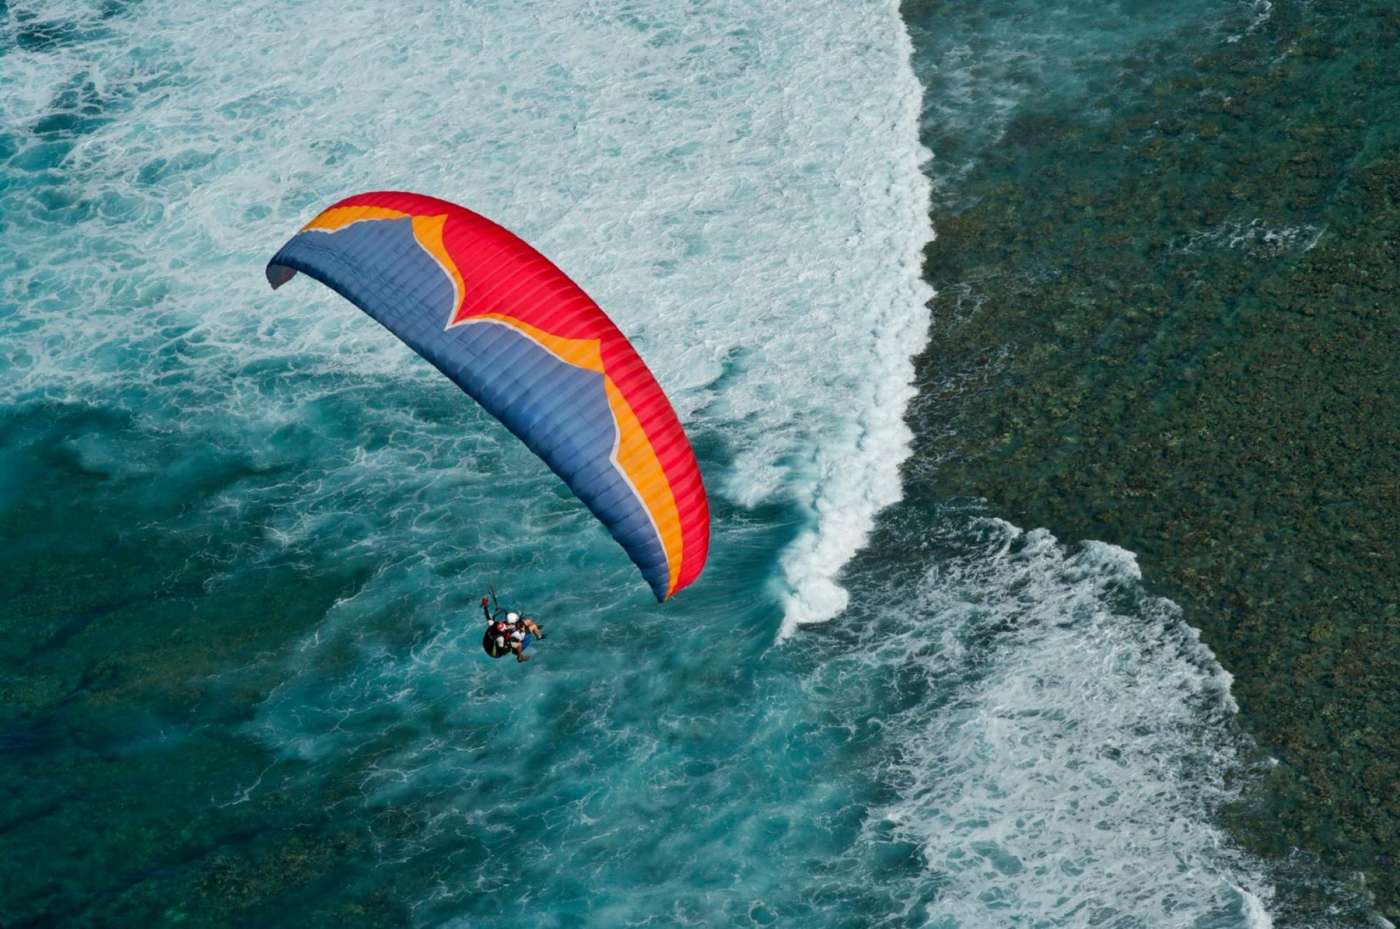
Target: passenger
526 623
508 632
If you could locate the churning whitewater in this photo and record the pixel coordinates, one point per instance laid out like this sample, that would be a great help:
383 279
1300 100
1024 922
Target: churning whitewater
740 192
739 186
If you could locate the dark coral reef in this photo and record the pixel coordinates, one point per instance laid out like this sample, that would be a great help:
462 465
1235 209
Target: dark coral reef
1172 322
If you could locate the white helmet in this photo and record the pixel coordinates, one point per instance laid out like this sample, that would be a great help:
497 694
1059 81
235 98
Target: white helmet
512 617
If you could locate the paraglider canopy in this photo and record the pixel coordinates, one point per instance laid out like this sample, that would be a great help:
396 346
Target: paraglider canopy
530 346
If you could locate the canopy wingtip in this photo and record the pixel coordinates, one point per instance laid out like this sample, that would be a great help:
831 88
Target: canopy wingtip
277 275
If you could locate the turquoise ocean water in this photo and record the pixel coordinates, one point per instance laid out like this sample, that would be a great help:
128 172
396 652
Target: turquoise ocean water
244 535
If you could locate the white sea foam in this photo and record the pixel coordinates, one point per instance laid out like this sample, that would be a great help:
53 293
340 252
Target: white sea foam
1257 238
1263 12
857 467
738 186
1073 769
1256 916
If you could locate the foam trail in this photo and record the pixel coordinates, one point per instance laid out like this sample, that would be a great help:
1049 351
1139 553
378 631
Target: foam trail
857 468
1256 915
1075 761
